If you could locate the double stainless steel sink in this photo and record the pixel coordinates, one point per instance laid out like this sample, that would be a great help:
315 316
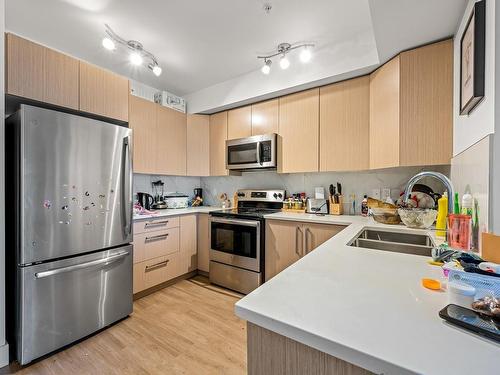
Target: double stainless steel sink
399 242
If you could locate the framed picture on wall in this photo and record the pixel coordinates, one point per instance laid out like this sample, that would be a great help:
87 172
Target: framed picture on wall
472 57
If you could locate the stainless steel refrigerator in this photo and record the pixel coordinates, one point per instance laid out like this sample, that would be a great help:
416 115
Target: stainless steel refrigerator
70 182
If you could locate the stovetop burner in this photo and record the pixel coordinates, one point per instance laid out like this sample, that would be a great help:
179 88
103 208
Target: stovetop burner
254 204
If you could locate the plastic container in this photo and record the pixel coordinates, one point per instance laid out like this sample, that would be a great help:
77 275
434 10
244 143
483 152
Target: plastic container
461 294
421 218
460 231
442 215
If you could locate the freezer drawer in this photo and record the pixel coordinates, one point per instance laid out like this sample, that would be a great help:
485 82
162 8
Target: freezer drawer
63 301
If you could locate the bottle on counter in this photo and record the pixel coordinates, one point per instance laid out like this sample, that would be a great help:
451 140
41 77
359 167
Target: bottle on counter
467 204
456 205
364 206
442 216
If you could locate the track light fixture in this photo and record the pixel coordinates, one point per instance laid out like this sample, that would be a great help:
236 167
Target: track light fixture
283 49
137 51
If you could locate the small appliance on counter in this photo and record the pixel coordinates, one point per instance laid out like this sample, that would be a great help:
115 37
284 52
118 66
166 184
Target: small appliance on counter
176 200
317 206
145 200
198 196
159 203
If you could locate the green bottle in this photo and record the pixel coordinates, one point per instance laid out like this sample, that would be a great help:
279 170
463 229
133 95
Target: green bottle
456 206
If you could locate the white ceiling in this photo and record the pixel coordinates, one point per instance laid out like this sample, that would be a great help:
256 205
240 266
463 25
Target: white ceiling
203 43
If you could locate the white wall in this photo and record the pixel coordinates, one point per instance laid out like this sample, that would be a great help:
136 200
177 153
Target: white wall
4 347
468 130
332 63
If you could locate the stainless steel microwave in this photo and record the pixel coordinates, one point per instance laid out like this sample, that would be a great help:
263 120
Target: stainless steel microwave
257 152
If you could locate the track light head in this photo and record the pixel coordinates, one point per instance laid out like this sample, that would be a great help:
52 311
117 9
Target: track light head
108 43
266 68
284 62
305 55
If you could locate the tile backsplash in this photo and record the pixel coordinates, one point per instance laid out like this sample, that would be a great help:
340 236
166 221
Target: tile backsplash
358 183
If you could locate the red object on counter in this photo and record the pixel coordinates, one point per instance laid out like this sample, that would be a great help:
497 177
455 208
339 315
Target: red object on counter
460 231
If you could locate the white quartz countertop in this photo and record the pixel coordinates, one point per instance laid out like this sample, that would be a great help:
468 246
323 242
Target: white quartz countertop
176 212
367 307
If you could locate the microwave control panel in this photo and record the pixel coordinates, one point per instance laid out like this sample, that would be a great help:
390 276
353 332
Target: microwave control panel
266 152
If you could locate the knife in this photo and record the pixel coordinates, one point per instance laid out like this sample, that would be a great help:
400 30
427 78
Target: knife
332 192
339 188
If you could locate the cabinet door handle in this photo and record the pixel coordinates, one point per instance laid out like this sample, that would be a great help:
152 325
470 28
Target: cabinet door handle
159 237
156 265
156 223
301 252
306 241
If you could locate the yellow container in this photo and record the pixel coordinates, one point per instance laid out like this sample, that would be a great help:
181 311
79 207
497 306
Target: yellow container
442 215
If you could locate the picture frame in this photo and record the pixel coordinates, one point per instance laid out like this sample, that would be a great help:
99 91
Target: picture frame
472 59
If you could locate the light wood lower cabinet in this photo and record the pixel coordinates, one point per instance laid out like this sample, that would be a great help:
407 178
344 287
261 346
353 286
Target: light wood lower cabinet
188 243
288 241
203 242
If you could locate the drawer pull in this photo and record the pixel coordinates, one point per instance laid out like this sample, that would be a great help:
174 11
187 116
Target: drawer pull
156 223
156 265
159 237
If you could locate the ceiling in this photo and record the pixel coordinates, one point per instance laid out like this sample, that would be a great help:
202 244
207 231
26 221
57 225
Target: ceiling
202 43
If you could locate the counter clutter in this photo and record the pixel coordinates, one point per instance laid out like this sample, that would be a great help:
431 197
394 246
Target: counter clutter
360 305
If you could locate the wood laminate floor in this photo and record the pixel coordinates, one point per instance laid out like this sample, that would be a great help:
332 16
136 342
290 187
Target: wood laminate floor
187 328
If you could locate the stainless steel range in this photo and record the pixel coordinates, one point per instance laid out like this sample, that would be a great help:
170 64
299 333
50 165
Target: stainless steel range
237 240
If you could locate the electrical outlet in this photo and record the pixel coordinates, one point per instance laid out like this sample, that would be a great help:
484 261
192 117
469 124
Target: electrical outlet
386 192
375 194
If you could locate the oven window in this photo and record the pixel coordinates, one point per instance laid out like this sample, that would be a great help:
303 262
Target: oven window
234 239
242 154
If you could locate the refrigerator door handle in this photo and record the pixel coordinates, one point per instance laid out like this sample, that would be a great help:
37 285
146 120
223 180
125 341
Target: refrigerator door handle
107 260
126 206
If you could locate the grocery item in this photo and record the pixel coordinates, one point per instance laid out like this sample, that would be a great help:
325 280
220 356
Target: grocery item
364 206
442 215
421 218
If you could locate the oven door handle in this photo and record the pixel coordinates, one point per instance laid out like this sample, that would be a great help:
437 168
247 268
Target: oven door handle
246 223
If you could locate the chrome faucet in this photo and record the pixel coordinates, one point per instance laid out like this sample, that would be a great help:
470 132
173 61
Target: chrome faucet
438 176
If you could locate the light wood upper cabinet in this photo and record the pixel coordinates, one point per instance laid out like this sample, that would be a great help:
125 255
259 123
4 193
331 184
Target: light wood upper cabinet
218 137
299 131
239 122
426 107
103 93
411 108
345 125
198 152
384 115
265 117
39 73
143 122
171 134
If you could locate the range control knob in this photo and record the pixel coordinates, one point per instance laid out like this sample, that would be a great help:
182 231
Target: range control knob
241 195
275 196
280 195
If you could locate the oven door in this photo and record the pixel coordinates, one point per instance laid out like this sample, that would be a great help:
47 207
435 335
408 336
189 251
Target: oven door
235 242
251 152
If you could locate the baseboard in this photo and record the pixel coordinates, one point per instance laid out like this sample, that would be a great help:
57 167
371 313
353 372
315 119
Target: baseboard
203 273
4 355
158 287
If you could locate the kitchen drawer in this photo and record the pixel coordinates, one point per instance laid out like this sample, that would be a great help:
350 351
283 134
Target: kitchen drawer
155 244
155 271
156 224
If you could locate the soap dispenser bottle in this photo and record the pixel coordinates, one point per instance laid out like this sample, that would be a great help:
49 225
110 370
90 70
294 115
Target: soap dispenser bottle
442 215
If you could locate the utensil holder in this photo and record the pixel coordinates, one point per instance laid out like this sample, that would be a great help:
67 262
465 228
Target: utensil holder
337 208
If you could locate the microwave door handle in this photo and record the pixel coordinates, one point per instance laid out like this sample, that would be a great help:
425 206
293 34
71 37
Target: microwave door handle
258 153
